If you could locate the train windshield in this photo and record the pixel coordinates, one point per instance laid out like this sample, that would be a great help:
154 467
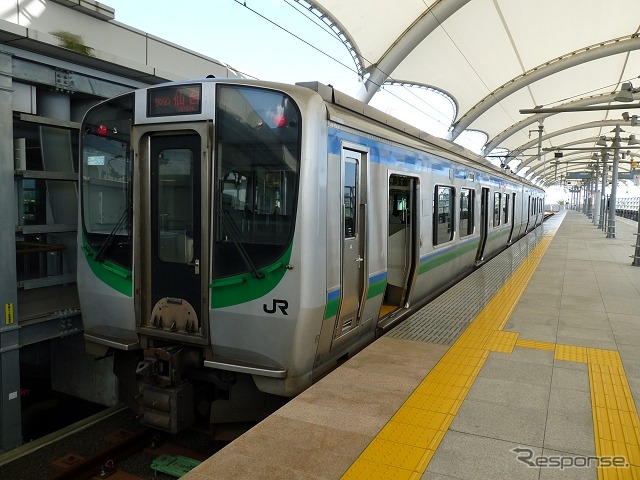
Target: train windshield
257 169
106 180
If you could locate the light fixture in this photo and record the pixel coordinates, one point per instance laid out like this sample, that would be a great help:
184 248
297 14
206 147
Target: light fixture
625 116
625 94
633 140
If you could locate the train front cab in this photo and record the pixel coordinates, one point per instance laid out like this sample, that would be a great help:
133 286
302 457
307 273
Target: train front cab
170 236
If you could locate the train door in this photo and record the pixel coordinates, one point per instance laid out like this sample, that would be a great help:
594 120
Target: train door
353 264
173 251
401 242
484 223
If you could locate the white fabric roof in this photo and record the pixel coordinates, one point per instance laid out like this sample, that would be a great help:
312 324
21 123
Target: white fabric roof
496 57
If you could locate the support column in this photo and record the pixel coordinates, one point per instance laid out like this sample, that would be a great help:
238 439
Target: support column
10 413
596 197
611 227
603 192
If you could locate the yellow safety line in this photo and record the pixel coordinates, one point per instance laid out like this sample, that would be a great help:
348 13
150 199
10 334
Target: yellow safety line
405 445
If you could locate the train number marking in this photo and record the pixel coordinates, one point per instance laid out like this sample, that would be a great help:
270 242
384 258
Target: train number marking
281 304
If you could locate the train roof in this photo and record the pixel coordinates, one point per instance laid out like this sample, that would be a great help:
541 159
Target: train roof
340 99
335 97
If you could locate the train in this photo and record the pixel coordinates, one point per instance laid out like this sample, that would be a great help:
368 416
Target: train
239 239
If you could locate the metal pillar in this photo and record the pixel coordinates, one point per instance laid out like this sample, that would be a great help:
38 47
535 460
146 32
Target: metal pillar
10 412
596 197
606 211
579 198
603 203
636 253
611 227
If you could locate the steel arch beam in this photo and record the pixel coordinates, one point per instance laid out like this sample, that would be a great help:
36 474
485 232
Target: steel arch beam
571 165
578 165
560 147
532 143
516 127
338 29
406 43
572 59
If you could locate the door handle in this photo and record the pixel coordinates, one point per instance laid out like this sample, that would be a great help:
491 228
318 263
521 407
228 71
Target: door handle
359 260
196 265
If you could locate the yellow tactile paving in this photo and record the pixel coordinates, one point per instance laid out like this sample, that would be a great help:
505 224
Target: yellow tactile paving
535 344
407 442
414 435
616 426
502 342
369 470
571 353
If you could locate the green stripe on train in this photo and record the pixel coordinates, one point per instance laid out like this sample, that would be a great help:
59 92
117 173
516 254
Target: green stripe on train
456 252
117 277
446 257
245 288
332 308
375 289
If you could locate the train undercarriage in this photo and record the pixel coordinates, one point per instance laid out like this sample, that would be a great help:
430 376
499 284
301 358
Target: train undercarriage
169 389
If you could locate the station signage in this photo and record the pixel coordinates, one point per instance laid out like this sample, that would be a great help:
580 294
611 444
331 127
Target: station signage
579 176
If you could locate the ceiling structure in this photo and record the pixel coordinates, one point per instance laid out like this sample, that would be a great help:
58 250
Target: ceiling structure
564 62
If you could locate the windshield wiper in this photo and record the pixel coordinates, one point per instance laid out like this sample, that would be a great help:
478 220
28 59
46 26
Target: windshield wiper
108 243
235 237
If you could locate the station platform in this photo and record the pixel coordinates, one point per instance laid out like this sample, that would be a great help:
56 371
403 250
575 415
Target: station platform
527 369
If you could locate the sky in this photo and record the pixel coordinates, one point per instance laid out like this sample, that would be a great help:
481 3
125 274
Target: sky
276 40
250 35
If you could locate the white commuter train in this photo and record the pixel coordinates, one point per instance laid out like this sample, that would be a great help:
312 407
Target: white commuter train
239 239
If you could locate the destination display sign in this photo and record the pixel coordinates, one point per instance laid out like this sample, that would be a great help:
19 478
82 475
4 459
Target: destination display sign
174 100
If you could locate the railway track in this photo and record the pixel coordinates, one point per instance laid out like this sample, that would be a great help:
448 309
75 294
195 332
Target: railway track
109 445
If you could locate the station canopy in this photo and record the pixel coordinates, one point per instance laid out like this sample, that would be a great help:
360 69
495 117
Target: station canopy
551 86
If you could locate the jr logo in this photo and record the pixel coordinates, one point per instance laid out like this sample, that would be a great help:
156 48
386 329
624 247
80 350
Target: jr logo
281 304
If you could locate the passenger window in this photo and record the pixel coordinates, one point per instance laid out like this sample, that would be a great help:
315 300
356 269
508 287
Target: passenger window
497 200
350 198
467 201
506 207
443 215
175 205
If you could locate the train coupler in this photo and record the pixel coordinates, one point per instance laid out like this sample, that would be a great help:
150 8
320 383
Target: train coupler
167 366
168 408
